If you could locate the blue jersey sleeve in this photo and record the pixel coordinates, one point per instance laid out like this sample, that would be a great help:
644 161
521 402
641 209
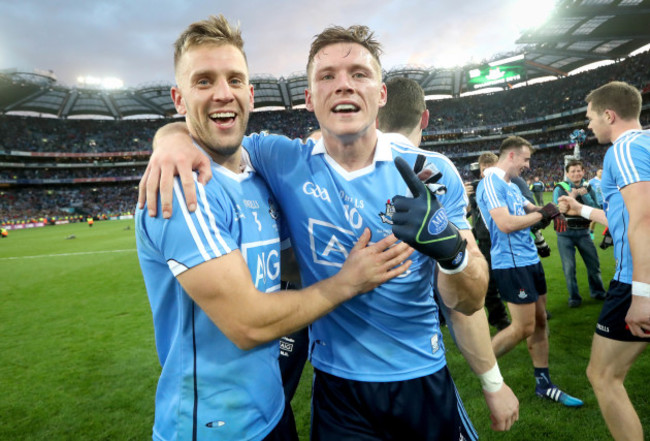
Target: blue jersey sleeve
270 155
454 200
557 192
493 192
632 160
188 239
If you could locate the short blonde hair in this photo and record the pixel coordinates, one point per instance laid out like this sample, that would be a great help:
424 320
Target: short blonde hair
488 158
214 30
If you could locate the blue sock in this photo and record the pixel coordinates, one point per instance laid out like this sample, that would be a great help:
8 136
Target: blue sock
542 378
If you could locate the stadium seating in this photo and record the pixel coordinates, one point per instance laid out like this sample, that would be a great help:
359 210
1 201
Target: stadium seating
53 167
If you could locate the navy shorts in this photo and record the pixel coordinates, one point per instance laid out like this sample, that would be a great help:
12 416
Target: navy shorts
521 285
611 323
426 408
285 430
293 356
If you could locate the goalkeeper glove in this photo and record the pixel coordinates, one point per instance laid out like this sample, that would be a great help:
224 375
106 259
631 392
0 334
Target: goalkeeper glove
551 212
421 221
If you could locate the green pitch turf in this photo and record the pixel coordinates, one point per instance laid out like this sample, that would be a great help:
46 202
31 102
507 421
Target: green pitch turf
78 362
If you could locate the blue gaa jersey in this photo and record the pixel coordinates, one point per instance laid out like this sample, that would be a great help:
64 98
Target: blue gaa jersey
595 184
626 162
208 388
391 333
509 250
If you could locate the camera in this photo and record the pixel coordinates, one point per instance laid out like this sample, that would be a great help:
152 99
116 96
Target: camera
475 169
542 247
607 241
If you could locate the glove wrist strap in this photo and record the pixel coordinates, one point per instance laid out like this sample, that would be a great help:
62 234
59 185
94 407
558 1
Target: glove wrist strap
456 270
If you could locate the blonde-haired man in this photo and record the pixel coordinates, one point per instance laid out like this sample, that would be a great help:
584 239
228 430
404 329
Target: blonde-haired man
211 275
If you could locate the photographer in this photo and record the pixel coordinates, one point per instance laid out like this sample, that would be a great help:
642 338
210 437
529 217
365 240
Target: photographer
497 315
577 236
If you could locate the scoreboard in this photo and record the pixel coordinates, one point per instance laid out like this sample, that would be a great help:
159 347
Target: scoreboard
497 73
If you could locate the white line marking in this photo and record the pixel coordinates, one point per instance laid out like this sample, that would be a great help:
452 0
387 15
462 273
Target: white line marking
67 254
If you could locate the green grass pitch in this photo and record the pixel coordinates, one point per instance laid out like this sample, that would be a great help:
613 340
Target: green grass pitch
78 360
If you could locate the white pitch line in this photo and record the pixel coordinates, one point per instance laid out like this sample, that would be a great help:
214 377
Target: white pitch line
67 254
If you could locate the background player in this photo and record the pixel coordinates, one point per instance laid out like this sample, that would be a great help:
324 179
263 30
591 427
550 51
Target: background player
623 328
515 263
405 116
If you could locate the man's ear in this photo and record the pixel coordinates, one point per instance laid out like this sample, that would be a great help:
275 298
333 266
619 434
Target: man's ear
424 121
309 105
383 95
610 116
252 98
177 98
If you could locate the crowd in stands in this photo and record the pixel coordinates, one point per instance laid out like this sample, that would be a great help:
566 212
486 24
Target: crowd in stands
22 174
34 203
29 134
31 192
537 100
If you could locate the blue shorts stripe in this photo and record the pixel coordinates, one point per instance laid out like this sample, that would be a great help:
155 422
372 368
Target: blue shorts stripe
467 423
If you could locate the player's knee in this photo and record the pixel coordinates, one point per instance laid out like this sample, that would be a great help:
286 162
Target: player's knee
598 376
595 378
522 330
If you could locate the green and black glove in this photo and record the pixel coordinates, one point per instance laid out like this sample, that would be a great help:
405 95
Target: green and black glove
421 221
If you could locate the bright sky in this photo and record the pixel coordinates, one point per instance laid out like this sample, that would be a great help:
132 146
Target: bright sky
132 40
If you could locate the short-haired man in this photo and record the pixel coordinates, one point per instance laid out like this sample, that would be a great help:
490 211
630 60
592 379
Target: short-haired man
211 275
577 236
515 263
595 183
537 187
405 115
380 370
497 313
623 329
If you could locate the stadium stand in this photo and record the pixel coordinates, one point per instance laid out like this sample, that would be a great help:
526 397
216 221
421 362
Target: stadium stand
52 167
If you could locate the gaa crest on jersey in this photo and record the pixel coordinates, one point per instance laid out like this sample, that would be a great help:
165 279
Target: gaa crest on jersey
387 216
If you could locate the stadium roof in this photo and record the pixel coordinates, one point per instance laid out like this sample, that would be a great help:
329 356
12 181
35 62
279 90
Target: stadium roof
581 32
578 33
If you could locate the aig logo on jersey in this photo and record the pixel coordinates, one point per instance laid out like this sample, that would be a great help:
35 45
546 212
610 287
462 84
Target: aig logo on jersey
263 260
314 190
330 244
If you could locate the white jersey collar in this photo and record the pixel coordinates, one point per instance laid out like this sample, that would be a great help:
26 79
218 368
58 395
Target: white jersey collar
625 133
383 152
496 170
239 177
